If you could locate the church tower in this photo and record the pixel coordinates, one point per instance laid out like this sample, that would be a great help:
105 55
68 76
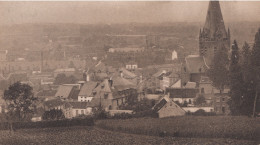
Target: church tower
213 35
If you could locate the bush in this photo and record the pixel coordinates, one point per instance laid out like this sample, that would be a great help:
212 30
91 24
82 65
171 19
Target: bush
122 116
101 114
201 112
53 114
54 123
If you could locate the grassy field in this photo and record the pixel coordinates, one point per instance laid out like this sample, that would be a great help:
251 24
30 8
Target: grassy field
92 136
189 126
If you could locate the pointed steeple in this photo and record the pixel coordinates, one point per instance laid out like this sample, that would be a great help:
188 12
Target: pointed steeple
214 25
214 35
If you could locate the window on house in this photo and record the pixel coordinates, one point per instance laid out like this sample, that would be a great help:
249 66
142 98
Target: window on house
105 95
223 99
77 112
117 102
110 107
223 109
102 86
202 91
94 93
82 111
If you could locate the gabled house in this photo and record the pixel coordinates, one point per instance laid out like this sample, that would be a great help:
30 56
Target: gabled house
110 94
182 95
45 94
56 103
193 69
168 79
87 92
74 109
220 101
166 107
157 77
67 92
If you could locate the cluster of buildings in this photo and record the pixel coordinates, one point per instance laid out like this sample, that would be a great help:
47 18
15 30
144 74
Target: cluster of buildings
174 87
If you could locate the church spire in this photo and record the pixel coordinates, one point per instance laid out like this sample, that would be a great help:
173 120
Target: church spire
214 35
214 25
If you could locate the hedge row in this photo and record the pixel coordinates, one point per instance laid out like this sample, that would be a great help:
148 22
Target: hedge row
45 124
148 113
201 112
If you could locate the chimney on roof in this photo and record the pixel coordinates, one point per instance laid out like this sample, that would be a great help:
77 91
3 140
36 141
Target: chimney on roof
110 82
121 74
87 78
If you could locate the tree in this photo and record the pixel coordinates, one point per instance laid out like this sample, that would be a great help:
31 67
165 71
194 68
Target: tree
53 114
20 102
200 100
255 60
236 81
218 71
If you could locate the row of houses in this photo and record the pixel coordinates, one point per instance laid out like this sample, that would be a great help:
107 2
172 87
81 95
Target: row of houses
184 84
109 92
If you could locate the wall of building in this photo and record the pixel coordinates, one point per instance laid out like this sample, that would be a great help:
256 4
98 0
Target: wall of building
220 104
84 99
170 109
182 100
194 109
207 87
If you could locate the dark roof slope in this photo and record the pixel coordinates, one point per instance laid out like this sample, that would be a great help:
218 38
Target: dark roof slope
182 92
53 103
74 94
159 105
214 21
64 91
195 64
87 88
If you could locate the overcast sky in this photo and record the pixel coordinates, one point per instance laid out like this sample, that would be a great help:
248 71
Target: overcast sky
122 12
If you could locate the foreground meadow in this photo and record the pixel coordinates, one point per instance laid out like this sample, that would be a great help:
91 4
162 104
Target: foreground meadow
92 136
189 126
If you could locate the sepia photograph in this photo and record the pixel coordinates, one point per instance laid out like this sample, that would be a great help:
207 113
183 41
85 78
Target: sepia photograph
130 72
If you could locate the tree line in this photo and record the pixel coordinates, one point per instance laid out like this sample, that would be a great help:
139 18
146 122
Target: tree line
241 73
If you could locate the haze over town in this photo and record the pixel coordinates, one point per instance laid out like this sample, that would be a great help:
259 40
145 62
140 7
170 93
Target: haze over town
122 12
177 72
